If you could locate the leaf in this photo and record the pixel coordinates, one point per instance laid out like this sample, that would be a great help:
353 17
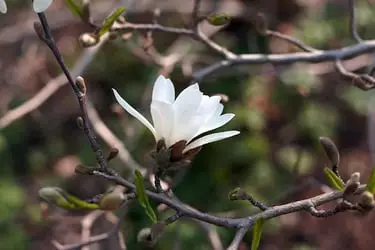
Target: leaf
75 8
257 233
60 198
109 20
218 19
335 181
81 204
142 197
371 182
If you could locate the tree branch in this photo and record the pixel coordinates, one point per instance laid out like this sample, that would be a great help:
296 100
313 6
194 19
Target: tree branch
271 212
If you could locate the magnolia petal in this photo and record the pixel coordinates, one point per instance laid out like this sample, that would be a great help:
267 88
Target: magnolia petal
210 138
162 116
41 5
188 101
208 106
3 7
185 109
188 131
163 90
214 123
219 110
135 113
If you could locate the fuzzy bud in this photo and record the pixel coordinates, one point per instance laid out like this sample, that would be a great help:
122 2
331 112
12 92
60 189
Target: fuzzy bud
113 199
81 169
236 194
149 236
80 122
88 40
366 200
144 236
331 150
80 82
352 184
112 154
223 98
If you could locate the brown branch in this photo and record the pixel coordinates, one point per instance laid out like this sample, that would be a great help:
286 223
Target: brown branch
110 138
94 239
271 212
51 87
288 58
291 40
364 82
353 22
238 238
79 90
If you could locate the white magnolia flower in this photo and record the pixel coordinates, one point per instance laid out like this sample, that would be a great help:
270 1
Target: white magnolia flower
38 5
183 118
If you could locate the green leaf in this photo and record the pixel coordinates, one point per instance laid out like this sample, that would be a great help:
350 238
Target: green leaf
60 198
371 182
81 204
257 233
218 19
335 181
142 197
109 20
75 8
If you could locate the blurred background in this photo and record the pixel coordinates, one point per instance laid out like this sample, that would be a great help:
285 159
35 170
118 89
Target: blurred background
281 113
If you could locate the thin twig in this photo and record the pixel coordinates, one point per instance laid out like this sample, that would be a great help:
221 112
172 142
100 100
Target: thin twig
353 22
291 40
271 212
51 87
50 41
255 202
288 58
364 82
94 239
110 138
87 223
212 235
195 15
238 238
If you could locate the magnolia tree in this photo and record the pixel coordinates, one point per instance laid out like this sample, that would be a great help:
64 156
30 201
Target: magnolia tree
180 126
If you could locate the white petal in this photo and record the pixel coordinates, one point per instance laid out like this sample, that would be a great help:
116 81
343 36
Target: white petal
135 113
186 131
215 123
210 138
208 105
162 116
163 90
219 110
3 7
185 109
191 96
41 5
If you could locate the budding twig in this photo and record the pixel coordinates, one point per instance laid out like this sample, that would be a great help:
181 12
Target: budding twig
78 90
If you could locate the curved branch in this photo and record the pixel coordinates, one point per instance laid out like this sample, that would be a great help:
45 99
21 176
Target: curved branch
51 87
271 212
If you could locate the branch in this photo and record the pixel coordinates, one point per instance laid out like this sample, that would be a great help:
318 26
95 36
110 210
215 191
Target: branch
94 239
271 212
353 23
238 238
289 58
291 40
46 36
110 138
51 87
